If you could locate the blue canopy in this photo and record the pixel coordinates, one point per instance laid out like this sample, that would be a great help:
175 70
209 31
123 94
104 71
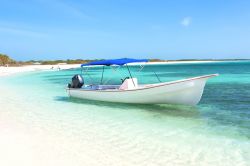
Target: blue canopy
119 62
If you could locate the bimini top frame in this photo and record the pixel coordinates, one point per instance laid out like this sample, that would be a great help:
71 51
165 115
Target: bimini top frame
115 62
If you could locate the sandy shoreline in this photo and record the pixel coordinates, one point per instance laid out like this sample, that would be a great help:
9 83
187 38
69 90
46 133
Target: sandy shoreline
5 71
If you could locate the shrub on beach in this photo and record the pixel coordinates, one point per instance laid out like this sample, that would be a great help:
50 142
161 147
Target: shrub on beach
6 60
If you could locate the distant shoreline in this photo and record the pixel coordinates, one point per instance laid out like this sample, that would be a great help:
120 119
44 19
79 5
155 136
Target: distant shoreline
6 71
81 61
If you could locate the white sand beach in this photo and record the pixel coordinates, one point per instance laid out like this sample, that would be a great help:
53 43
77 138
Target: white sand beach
5 71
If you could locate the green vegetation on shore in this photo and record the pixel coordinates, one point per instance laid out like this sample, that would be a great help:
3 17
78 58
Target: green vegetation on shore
54 62
5 60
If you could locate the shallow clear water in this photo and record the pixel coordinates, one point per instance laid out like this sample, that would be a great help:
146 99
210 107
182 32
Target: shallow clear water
61 130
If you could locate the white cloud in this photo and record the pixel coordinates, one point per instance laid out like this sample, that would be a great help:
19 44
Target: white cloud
22 32
64 7
186 21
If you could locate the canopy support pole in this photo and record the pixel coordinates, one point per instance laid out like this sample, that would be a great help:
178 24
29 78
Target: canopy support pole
114 71
102 74
130 75
86 71
157 77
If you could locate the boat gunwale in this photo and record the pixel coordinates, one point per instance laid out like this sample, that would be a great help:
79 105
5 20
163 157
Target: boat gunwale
149 86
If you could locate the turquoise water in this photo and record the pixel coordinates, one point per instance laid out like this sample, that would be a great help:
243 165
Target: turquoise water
69 131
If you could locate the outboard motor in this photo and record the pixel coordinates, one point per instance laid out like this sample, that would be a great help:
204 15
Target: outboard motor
77 82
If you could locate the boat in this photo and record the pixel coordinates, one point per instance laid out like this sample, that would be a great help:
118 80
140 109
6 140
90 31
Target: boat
185 91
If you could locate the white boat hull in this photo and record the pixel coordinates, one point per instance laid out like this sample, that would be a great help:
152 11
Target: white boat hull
186 91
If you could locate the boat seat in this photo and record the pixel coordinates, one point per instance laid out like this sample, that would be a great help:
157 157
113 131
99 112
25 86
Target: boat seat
130 83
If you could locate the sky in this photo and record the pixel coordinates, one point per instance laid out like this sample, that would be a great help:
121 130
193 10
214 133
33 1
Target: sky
92 29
